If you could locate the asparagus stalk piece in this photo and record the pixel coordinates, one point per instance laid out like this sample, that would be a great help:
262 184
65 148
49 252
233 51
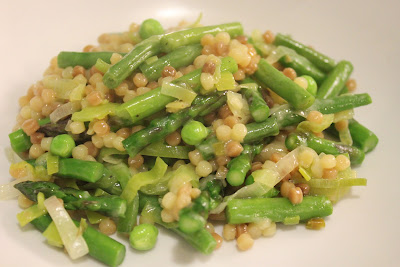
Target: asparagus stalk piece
259 110
269 77
323 145
88 171
320 60
74 199
153 101
160 128
239 166
180 57
101 247
276 209
201 240
84 59
172 41
142 51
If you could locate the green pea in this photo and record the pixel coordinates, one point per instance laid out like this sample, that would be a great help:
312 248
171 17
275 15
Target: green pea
62 145
149 28
193 132
312 85
143 236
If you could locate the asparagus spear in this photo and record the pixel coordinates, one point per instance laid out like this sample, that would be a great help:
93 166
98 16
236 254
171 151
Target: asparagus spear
302 66
269 77
180 57
172 41
201 240
160 128
142 51
88 171
323 145
193 218
153 101
74 199
259 110
286 116
320 60
101 247
239 166
84 59
276 209
336 80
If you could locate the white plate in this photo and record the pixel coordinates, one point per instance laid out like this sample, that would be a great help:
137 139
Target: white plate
363 231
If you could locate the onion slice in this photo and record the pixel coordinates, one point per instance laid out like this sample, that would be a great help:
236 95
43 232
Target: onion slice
73 241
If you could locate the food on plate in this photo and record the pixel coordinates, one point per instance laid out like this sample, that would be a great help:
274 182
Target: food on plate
179 128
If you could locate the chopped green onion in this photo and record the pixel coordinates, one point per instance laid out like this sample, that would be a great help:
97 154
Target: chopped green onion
52 164
182 93
52 236
305 174
97 112
33 212
102 66
144 178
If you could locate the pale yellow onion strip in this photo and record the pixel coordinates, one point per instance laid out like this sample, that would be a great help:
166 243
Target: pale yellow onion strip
74 243
64 110
8 191
287 164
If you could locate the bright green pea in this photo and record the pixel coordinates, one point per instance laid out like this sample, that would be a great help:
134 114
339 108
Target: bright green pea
143 236
312 85
149 28
62 145
193 132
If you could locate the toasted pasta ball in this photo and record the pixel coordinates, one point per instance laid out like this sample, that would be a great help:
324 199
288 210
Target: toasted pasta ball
80 152
295 195
30 126
233 149
229 232
169 200
239 132
342 162
203 168
223 133
254 230
270 231
315 116
217 238
195 157
245 242
77 127
328 161
24 202
107 226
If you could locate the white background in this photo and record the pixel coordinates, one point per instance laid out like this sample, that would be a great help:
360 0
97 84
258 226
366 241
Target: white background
364 228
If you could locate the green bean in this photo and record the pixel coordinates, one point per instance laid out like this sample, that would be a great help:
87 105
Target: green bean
275 80
259 110
276 209
363 138
121 70
128 222
326 146
153 101
335 81
259 130
320 60
84 59
150 27
182 56
302 66
172 41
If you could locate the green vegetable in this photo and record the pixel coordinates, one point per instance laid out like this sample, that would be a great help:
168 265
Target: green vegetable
312 85
126 224
84 59
144 178
194 132
101 247
363 138
172 41
320 60
88 171
259 110
181 57
166 151
302 66
20 141
143 237
323 145
276 209
257 131
97 112
150 27
269 77
239 166
62 145
121 70
73 198
153 101
160 128
335 81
